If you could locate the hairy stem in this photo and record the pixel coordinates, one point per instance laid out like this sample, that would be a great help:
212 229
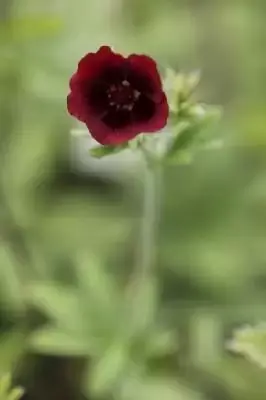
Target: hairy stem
150 217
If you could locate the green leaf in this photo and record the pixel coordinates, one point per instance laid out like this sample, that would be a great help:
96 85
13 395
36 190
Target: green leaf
193 132
179 87
156 388
185 136
96 281
99 293
103 151
12 347
56 342
6 391
5 385
161 343
15 394
12 292
107 372
89 314
251 343
60 304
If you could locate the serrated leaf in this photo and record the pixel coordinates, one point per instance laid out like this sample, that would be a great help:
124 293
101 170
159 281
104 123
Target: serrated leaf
193 132
184 138
105 373
205 115
180 87
185 84
60 304
99 292
103 151
192 81
170 75
55 342
95 280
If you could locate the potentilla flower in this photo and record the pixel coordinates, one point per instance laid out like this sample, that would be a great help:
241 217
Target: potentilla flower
117 97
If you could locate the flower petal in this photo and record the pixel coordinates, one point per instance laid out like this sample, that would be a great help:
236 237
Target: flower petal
146 66
92 63
157 121
106 136
160 117
77 107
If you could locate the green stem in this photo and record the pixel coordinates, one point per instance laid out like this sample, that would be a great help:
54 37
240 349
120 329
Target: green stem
150 217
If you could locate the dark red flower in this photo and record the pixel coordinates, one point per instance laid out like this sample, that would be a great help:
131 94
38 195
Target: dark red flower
117 97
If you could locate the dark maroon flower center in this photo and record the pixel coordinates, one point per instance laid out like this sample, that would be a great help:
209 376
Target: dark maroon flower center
121 97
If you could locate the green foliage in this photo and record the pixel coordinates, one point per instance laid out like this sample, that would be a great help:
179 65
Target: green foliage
193 124
157 388
194 133
12 348
7 392
102 151
179 88
251 343
109 370
118 330
11 291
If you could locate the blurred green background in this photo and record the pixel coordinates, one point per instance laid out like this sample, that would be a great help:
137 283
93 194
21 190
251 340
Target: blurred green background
59 209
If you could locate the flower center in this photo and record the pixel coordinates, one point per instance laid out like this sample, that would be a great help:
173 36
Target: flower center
122 96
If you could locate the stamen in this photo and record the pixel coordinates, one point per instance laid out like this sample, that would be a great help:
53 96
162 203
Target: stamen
136 94
122 96
128 107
